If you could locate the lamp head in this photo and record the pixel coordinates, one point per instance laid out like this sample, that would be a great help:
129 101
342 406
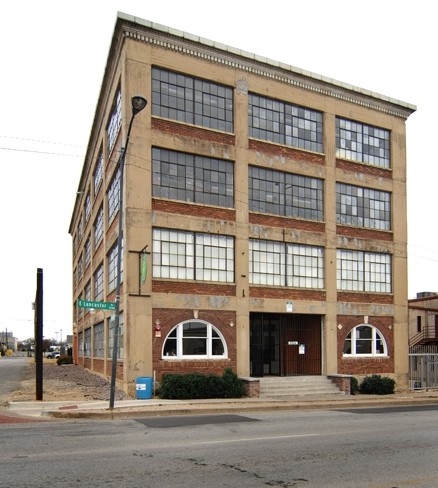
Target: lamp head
138 104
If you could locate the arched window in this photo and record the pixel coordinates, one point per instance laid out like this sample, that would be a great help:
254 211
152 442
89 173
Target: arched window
365 340
194 339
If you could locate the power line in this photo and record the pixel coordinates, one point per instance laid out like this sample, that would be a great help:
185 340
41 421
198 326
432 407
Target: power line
40 141
40 152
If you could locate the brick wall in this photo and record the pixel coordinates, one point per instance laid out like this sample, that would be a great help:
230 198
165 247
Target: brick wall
193 288
99 366
286 223
365 365
343 382
201 211
362 168
193 132
286 293
359 297
169 318
286 152
361 233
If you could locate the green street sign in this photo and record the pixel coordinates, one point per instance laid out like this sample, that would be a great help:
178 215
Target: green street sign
96 305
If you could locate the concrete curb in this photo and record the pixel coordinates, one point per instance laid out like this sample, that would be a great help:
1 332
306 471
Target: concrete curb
157 407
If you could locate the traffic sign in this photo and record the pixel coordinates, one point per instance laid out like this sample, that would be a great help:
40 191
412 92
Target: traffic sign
97 305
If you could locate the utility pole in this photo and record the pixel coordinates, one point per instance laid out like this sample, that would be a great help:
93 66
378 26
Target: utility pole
39 335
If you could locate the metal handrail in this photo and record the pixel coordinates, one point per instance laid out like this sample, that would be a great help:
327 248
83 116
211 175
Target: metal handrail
418 337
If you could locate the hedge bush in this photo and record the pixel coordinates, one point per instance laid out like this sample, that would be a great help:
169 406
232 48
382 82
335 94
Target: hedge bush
354 386
198 386
64 360
377 385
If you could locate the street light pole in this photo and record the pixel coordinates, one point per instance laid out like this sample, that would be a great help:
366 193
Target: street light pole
138 104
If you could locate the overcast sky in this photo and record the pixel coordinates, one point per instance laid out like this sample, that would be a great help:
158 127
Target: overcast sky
53 55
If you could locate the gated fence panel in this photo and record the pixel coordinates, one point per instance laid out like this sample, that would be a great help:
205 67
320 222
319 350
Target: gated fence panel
423 371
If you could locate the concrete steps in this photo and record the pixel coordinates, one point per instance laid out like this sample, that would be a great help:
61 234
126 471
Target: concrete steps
288 387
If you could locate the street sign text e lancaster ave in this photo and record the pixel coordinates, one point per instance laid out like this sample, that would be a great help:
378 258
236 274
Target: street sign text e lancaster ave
96 305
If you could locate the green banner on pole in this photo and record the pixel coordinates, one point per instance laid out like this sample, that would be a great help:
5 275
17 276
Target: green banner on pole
143 266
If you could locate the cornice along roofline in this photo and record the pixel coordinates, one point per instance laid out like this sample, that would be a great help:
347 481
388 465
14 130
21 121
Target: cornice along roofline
149 32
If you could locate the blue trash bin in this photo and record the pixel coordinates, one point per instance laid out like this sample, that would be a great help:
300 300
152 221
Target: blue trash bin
144 388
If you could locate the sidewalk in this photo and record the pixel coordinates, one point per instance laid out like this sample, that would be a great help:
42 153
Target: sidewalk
158 407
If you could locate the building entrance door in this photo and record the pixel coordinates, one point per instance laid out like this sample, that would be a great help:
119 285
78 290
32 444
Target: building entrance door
285 344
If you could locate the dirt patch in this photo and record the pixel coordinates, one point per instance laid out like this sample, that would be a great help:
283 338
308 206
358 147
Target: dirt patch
65 382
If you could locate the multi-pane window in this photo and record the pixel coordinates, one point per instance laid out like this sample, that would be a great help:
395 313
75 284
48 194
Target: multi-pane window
362 143
283 123
87 251
87 342
285 194
275 263
75 278
115 121
363 207
120 339
192 256
75 245
81 344
194 339
87 207
364 271
98 228
112 267
113 195
365 340
98 284
87 291
98 173
80 267
191 178
98 344
192 100
80 228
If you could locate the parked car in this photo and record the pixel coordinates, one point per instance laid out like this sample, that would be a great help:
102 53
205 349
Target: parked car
53 355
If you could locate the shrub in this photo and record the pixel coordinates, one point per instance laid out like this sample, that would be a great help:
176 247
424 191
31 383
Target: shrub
233 386
197 386
354 386
64 360
377 385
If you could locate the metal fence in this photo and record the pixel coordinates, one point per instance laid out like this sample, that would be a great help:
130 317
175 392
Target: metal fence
423 367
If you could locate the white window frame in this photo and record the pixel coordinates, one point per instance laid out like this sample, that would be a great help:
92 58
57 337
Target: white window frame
275 263
183 255
362 271
179 343
375 335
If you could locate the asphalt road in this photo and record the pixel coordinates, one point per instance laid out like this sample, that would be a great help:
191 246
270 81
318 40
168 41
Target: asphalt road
393 447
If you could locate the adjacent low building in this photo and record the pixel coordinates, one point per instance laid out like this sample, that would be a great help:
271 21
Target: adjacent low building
264 217
423 321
